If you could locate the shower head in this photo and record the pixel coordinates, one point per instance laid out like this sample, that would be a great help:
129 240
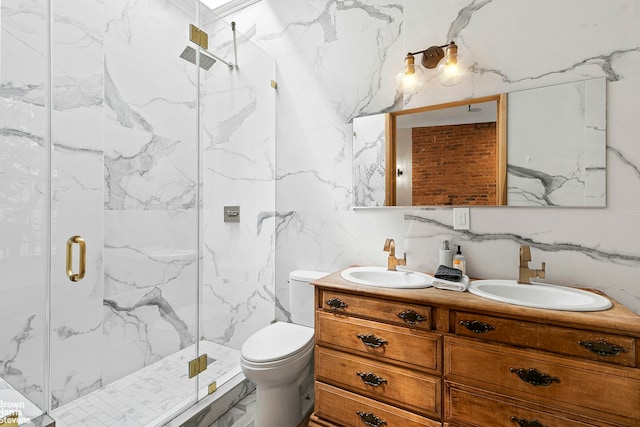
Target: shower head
189 54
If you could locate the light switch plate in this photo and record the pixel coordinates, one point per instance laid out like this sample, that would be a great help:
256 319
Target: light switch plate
461 218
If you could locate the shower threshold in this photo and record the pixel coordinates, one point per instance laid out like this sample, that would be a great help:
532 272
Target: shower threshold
154 394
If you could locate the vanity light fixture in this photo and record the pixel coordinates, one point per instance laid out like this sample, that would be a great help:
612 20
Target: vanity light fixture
445 58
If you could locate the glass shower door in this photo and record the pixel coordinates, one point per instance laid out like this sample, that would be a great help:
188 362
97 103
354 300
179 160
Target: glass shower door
237 134
124 168
24 209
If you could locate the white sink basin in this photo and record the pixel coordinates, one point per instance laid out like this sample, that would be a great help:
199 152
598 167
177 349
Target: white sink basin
550 297
383 278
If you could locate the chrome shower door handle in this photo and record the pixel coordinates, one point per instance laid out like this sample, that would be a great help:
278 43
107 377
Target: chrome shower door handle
76 277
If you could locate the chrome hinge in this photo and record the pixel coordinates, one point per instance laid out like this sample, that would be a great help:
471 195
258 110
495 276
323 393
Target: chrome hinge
197 366
198 36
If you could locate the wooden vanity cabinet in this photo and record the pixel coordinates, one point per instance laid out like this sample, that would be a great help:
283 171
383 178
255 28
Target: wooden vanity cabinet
377 362
430 357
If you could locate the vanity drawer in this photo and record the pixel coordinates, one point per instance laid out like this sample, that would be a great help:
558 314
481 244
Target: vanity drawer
351 410
473 407
413 315
610 348
589 388
406 388
379 341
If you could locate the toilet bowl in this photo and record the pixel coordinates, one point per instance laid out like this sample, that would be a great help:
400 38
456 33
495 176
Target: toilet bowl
278 358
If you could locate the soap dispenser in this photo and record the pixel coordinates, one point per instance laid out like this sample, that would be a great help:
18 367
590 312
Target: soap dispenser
459 262
446 257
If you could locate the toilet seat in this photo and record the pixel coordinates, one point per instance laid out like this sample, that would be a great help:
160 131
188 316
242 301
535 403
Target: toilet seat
277 342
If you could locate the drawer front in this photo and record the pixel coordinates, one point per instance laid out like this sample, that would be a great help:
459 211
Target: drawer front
610 348
473 407
314 421
415 316
406 388
588 388
351 410
379 341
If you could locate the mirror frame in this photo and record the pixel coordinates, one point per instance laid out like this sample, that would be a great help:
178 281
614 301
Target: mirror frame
501 144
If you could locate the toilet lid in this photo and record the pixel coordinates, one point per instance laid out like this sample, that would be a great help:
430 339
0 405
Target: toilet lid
276 341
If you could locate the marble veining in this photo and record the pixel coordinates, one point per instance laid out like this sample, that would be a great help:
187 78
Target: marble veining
167 313
326 19
464 18
625 160
591 252
17 341
123 175
550 183
606 63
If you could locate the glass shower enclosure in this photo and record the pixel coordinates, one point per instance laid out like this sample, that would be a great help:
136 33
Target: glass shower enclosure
124 146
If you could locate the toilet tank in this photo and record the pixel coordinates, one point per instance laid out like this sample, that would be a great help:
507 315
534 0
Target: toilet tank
301 296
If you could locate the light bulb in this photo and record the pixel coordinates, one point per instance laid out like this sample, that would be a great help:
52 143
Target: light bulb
451 71
411 78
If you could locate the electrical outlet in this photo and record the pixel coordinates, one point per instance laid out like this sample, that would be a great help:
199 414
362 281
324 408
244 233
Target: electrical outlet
461 218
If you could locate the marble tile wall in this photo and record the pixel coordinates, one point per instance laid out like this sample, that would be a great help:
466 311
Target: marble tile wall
338 59
238 159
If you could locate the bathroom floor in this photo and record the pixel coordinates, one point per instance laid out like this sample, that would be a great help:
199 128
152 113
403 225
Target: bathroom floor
243 413
148 397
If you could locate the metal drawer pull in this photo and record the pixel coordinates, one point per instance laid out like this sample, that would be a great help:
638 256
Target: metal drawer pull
371 340
369 378
602 348
477 327
336 304
533 376
524 423
370 419
411 317
82 268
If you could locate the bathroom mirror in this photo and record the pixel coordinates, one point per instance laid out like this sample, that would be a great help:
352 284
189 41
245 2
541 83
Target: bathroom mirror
549 149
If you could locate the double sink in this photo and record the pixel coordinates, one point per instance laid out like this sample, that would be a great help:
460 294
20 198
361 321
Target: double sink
536 295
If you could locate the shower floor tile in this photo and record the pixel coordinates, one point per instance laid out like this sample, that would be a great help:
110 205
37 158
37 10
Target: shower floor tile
151 395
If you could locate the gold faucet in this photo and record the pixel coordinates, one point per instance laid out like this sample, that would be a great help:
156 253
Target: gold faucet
525 272
392 261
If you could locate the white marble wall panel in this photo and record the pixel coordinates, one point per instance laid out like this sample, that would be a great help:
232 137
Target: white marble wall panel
328 242
22 355
285 27
312 167
230 251
238 161
233 310
332 84
368 164
159 97
76 350
24 36
144 326
147 171
147 249
150 276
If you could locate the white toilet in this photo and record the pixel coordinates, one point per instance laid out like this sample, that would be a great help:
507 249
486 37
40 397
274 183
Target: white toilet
278 357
